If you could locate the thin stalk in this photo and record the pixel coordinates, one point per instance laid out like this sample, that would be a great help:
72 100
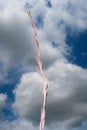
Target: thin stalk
40 68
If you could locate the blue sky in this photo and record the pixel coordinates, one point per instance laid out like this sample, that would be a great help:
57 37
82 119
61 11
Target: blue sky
62 31
79 48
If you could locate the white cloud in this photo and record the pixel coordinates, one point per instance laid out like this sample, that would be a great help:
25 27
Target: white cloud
63 14
19 124
67 98
23 124
30 89
67 94
3 98
16 40
16 36
73 13
67 82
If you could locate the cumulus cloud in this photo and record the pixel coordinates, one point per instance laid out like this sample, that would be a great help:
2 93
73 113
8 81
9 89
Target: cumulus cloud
19 124
67 91
3 98
67 99
32 87
16 38
63 14
16 45
23 124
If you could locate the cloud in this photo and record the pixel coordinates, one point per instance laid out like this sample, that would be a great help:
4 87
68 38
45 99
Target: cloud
23 124
3 98
67 98
19 124
72 13
16 39
32 86
63 14
67 82
16 36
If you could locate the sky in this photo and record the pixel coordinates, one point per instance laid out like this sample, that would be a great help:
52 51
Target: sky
62 32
